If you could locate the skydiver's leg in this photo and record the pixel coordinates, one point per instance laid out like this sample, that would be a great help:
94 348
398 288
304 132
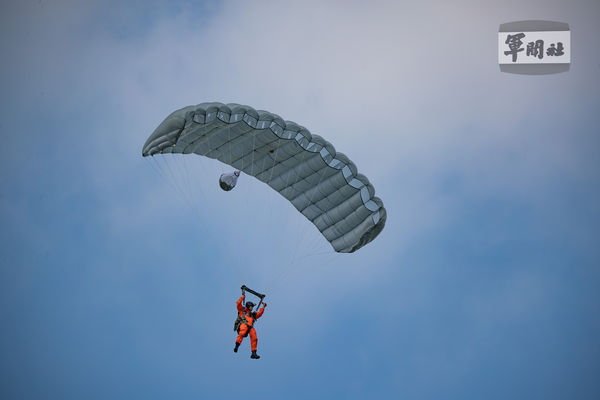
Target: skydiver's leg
253 339
253 343
242 332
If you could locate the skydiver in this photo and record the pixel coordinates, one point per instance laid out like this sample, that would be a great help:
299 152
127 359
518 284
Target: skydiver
246 326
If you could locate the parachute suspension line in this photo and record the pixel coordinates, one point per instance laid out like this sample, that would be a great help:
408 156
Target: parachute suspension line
167 175
292 261
179 178
318 260
187 176
316 243
266 214
300 242
186 188
279 239
280 277
313 242
194 182
172 178
322 253
161 172
194 187
297 243
156 167
325 259
237 255
182 176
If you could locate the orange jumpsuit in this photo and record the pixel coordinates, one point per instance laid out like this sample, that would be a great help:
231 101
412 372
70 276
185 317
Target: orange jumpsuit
247 327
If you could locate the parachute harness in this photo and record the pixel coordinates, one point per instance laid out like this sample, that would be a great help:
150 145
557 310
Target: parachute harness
242 320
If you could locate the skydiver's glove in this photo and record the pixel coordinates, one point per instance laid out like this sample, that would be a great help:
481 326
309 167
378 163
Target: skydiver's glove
264 305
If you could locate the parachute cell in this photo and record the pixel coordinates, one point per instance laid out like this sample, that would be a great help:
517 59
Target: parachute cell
322 184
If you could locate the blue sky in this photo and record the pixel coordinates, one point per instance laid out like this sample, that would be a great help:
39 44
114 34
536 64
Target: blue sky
119 276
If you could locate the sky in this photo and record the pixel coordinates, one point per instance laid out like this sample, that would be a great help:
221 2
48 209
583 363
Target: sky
119 274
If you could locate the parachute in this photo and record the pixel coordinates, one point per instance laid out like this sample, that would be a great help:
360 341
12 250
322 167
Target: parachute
322 184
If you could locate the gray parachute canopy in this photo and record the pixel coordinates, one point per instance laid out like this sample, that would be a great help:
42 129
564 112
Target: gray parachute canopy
323 185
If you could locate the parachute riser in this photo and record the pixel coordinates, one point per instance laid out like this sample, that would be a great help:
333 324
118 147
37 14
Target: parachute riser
259 295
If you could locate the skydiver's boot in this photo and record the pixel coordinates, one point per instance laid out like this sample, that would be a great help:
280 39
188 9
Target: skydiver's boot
254 355
237 346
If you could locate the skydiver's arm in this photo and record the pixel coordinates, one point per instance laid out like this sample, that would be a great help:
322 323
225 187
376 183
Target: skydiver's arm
261 311
239 305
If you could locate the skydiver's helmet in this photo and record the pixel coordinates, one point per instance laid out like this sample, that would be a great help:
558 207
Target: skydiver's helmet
228 181
249 304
